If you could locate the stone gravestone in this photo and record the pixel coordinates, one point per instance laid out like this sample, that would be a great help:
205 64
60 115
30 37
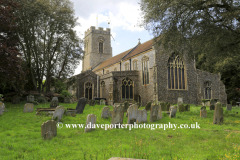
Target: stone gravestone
141 116
54 103
105 112
187 107
67 100
173 111
58 113
180 101
15 99
181 108
81 105
212 107
163 106
132 114
28 107
155 113
117 114
126 105
148 106
203 112
2 106
91 103
30 98
212 104
49 129
218 114
102 102
229 107
90 123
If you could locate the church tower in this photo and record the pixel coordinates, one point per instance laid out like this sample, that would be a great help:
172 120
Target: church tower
97 47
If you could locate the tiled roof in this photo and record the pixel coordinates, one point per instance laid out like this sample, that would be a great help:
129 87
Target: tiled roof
125 55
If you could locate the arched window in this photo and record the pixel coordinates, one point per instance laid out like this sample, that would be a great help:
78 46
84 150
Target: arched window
102 90
176 73
135 65
127 88
100 47
207 90
126 66
145 71
88 90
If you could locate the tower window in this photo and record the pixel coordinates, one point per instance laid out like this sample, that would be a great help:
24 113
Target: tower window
100 47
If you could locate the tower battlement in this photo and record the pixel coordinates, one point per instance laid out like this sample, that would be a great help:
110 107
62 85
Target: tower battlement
99 30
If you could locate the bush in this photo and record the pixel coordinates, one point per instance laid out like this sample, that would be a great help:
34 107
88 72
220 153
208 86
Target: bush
35 102
65 93
41 100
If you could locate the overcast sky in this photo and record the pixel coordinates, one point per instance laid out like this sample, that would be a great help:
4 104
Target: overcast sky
124 16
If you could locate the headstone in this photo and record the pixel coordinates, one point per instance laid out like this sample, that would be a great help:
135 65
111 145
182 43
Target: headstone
110 113
141 116
126 105
148 106
180 99
91 102
90 123
229 107
58 113
102 102
30 98
203 112
105 112
163 106
15 99
2 106
117 114
28 107
132 114
187 107
181 108
224 105
67 100
54 103
218 114
49 129
168 105
173 111
212 107
213 102
155 113
81 105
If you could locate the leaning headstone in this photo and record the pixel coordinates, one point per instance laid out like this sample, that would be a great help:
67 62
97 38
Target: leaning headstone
58 113
30 98
90 123
229 107
49 129
218 114
155 113
148 106
173 111
126 105
81 105
117 114
28 107
181 108
203 112
105 112
91 102
163 106
1 108
54 103
67 100
187 107
102 102
132 114
141 116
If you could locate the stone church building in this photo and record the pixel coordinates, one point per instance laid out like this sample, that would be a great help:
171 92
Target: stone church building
142 74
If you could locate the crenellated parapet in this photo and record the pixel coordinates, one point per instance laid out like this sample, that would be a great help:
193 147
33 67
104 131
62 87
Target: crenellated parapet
99 30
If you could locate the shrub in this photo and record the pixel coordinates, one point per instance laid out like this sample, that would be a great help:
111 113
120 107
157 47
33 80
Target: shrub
65 93
41 100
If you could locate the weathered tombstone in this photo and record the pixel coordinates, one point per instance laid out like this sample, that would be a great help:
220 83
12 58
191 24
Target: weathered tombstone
181 108
163 106
30 98
132 114
229 107
15 99
203 112
49 129
117 114
155 113
180 102
168 105
110 113
91 102
187 107
218 114
148 106
173 111
102 102
81 105
212 107
67 100
90 123
54 103
141 116
58 113
126 105
105 112
1 108
28 107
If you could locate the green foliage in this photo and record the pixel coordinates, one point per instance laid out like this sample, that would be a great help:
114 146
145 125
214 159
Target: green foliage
148 106
35 102
59 86
41 100
97 102
65 93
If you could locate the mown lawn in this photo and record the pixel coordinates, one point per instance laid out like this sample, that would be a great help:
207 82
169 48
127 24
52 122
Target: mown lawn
20 137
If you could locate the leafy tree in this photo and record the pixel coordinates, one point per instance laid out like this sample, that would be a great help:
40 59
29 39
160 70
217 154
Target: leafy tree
49 44
12 75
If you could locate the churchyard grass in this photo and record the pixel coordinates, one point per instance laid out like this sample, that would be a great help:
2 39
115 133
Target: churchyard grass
20 137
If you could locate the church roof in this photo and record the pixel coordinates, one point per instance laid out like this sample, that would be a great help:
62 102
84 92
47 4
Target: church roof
140 48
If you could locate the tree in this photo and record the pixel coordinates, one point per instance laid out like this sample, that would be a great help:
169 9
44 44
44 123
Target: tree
208 30
12 75
49 44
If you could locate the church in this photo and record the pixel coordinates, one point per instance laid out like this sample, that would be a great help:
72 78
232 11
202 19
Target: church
141 74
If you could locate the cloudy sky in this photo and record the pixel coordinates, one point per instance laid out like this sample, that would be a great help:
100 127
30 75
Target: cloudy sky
124 16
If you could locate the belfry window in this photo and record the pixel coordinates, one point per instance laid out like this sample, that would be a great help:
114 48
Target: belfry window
145 70
207 90
88 90
176 73
127 88
100 47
